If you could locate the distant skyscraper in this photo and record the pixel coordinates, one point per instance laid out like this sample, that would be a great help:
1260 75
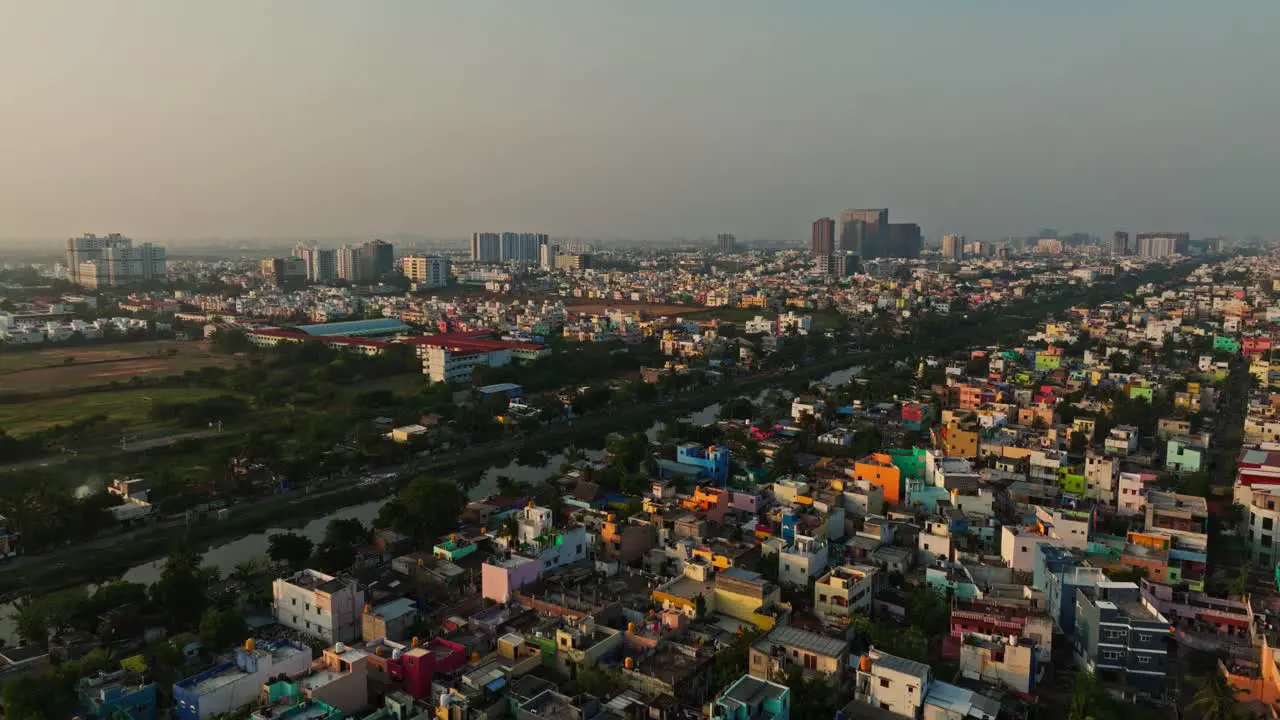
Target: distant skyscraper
1120 243
377 258
905 240
1163 244
726 243
823 241
486 248
113 259
430 271
350 265
864 233
547 256
322 265
953 247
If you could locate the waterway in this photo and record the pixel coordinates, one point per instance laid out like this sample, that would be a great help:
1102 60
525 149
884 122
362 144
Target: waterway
253 547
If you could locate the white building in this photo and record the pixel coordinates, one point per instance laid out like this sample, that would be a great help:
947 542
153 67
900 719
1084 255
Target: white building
892 683
427 271
1123 440
805 559
844 590
1100 478
230 686
320 605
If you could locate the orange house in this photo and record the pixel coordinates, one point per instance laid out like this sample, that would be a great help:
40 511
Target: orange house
879 470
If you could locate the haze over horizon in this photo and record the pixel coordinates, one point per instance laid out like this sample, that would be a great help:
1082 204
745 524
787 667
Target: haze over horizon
293 118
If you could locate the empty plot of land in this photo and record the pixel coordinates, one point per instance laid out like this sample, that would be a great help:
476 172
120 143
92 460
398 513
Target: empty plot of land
129 407
42 371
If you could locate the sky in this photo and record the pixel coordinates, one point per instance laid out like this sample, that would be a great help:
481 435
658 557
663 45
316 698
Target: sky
652 119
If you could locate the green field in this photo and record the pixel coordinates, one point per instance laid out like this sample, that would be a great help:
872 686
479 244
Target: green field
130 407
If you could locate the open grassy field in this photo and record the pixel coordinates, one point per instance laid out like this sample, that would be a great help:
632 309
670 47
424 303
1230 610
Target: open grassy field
39 371
130 407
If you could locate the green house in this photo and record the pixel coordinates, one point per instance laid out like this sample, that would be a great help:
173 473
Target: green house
1228 344
1044 361
1071 480
910 461
1140 393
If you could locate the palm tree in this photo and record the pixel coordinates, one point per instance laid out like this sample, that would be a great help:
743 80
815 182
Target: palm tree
1215 698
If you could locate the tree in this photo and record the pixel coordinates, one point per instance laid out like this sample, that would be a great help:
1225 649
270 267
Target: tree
343 538
1078 444
700 606
50 694
180 594
291 549
220 629
1215 698
424 510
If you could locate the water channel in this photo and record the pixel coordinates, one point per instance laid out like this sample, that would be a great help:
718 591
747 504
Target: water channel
254 546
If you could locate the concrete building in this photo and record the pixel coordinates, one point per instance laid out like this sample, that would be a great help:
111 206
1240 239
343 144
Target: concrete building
822 243
726 243
804 559
892 683
427 271
952 247
340 679
1118 630
319 605
750 698
501 576
322 265
391 620
486 248
845 590
999 660
864 233
229 686
453 357
785 647
105 261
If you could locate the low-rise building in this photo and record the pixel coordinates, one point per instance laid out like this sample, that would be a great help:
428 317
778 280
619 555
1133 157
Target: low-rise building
1117 630
996 659
845 590
786 647
323 606
751 698
229 686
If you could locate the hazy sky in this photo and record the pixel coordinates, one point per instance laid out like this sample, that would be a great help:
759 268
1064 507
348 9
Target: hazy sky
638 118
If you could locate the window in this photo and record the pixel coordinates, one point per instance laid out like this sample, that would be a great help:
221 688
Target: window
308 606
295 601
822 598
1266 541
1268 523
1144 637
1144 659
884 682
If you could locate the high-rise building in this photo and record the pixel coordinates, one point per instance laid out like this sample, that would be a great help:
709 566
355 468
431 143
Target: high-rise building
322 265
726 243
350 264
579 261
378 258
430 271
547 256
507 247
823 241
905 240
97 262
1120 243
952 247
864 233
284 271
1163 244
486 248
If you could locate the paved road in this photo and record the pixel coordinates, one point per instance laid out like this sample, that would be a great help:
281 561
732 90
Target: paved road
131 447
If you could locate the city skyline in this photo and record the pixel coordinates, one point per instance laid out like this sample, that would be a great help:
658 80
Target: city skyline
638 123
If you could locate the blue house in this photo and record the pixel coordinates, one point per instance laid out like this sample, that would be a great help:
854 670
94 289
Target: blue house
106 696
713 460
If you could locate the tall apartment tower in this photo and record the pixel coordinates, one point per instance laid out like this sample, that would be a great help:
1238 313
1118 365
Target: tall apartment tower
905 240
486 248
726 243
97 262
350 264
1163 244
377 258
864 233
1120 243
322 265
953 247
547 256
823 241
430 271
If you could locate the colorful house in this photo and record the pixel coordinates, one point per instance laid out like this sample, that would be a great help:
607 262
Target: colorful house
880 470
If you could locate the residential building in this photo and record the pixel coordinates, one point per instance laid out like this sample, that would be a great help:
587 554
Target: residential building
339 679
726 243
322 606
905 241
1000 660
845 590
573 261
349 266
106 261
1118 630
880 470
892 683
1123 440
864 233
427 271
823 240
229 686
785 647
1100 474
110 695
391 620
453 357
751 698
486 248
953 247
377 258
501 576
322 265
804 559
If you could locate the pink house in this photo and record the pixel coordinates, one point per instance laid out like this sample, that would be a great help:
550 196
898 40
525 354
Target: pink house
499 577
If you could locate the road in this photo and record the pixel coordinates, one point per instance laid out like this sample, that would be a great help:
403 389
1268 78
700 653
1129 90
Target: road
129 447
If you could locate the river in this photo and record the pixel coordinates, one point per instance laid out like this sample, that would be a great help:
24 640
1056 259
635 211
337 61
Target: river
254 546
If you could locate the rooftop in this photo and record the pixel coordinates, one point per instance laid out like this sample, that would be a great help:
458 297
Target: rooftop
379 326
803 639
899 664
